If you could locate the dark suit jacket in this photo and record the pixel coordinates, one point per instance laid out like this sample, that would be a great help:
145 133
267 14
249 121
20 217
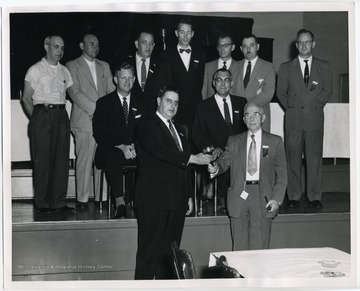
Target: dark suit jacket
304 105
109 125
158 76
188 82
210 127
273 172
163 180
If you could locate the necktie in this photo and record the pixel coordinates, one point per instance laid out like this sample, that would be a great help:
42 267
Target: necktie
226 112
247 74
224 66
185 50
306 73
252 157
143 74
173 133
126 110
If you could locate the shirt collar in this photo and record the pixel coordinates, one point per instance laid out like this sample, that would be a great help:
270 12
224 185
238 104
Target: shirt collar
221 98
179 47
257 134
301 60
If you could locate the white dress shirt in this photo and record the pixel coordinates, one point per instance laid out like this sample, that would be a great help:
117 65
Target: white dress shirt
138 67
92 68
253 63
221 63
303 64
185 56
167 125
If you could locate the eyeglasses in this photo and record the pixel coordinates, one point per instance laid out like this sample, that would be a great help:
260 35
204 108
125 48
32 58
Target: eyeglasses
224 46
307 42
254 115
220 81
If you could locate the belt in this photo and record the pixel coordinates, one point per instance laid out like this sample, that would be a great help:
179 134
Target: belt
252 182
52 106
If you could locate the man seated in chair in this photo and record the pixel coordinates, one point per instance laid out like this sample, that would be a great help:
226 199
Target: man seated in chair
216 119
114 122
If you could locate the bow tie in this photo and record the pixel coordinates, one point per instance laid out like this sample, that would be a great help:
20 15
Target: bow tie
185 50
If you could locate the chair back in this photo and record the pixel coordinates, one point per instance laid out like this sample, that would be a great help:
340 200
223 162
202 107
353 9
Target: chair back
183 263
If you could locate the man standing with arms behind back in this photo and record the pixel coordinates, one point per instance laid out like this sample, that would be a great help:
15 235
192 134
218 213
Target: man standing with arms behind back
44 101
92 79
187 71
304 87
254 77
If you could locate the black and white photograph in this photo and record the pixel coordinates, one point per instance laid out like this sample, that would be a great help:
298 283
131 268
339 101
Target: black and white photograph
199 145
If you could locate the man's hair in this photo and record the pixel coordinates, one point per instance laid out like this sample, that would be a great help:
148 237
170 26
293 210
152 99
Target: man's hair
253 104
249 35
147 31
47 40
82 40
166 89
303 30
123 66
225 35
221 70
184 21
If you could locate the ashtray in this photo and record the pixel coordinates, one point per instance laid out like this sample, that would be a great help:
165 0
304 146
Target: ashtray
329 263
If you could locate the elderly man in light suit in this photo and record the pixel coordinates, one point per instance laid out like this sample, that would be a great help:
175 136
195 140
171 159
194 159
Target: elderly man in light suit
258 179
254 81
92 79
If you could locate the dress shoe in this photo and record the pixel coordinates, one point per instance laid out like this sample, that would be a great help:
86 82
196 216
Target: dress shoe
65 209
316 204
293 204
120 211
82 205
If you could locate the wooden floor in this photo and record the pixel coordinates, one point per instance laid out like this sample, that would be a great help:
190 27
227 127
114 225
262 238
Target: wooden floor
24 211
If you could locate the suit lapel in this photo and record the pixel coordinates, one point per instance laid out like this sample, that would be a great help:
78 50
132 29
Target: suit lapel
263 160
87 73
243 144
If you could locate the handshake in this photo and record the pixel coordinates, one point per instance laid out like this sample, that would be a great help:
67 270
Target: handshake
207 157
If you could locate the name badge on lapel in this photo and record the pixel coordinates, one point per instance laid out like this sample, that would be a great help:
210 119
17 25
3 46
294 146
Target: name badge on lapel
265 151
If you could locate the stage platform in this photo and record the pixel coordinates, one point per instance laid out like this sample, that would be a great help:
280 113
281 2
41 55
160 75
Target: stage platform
88 245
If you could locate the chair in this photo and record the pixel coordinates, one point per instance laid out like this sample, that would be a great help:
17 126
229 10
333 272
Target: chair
183 263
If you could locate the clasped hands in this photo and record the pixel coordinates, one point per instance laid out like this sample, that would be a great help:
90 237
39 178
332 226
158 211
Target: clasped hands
205 159
128 150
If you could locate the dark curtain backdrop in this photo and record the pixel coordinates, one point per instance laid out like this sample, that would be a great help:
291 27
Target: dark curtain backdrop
117 32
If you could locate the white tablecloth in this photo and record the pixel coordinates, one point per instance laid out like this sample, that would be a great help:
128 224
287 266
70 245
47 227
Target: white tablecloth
289 263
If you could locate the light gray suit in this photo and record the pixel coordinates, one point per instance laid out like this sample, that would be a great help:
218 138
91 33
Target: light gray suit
271 186
261 86
84 95
210 68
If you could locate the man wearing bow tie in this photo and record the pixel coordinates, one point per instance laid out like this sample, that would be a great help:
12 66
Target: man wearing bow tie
187 70
151 75
115 118
258 179
304 87
163 192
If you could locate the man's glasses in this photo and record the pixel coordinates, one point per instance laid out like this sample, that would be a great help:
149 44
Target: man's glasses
224 46
307 43
254 115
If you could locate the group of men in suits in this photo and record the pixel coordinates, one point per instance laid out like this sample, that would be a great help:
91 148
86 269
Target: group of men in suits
118 125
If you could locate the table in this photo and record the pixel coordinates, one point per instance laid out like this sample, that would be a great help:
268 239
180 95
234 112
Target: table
289 263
